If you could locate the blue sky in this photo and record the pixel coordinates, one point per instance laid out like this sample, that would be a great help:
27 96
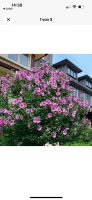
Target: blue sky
83 61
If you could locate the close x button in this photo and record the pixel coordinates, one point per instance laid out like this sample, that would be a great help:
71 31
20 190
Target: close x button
8 19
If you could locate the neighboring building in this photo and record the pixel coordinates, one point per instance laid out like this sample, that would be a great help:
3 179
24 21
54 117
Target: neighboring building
82 85
86 81
18 61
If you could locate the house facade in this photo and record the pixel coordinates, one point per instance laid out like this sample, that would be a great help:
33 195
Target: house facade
82 85
18 61
47 58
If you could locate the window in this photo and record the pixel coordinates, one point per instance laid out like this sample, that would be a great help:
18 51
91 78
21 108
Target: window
72 73
69 71
13 57
81 94
24 59
88 84
75 92
75 75
88 98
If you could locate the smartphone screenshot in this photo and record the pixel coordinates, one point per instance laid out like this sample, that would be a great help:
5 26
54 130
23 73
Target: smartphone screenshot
45 99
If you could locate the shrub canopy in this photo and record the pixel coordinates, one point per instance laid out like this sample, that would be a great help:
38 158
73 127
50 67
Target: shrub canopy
38 107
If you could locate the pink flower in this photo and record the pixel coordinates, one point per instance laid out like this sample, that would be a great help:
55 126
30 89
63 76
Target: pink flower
20 99
49 115
17 117
53 109
38 90
22 91
64 132
36 120
42 94
75 98
54 134
11 122
39 128
70 105
5 111
64 110
32 110
37 82
27 110
9 112
48 102
29 87
74 113
48 92
58 93
69 98
14 102
1 110
29 77
63 101
6 122
59 111
44 103
1 121
23 105
66 113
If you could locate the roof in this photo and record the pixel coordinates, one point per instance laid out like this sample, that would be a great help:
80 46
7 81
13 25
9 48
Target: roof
39 56
88 78
69 64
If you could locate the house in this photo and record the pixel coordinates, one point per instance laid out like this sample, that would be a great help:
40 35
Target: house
82 85
86 82
18 61
47 58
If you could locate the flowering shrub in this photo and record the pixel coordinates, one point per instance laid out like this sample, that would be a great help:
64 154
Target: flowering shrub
37 107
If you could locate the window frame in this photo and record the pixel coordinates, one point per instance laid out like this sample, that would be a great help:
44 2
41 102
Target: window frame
72 73
18 60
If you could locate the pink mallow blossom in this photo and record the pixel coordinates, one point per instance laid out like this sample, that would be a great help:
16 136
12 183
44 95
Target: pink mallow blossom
27 111
6 122
36 120
39 128
74 113
1 121
20 99
14 102
29 87
49 115
9 112
17 117
11 122
54 135
70 105
23 105
58 93
65 131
